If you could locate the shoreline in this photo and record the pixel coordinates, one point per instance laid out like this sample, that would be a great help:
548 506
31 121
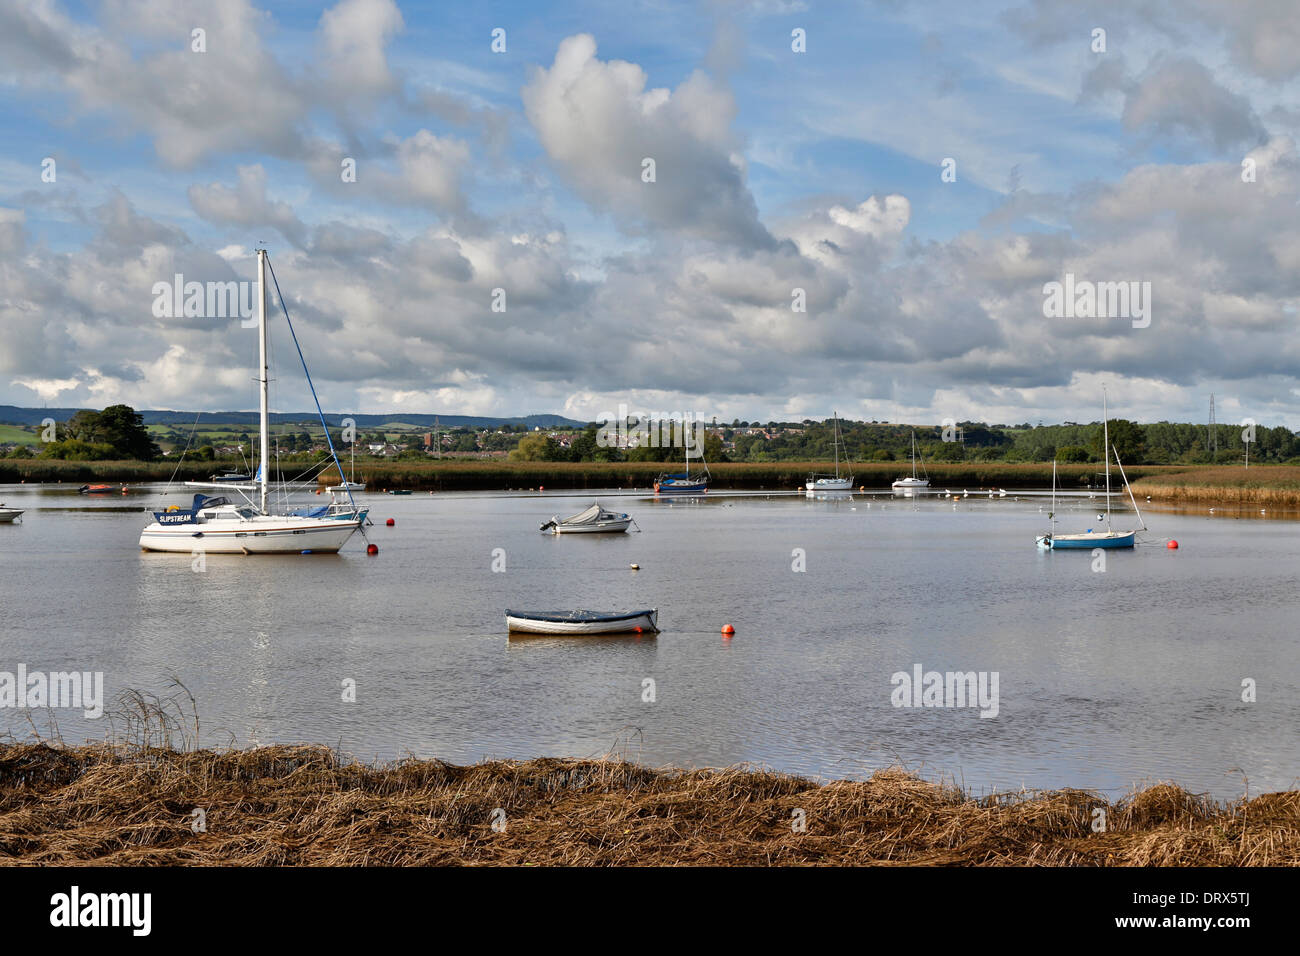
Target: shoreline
1277 485
308 805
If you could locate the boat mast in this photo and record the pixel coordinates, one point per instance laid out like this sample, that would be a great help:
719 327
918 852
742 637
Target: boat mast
1105 450
835 441
263 372
1052 516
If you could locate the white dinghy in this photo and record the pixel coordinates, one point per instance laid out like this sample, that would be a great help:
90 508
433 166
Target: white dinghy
582 622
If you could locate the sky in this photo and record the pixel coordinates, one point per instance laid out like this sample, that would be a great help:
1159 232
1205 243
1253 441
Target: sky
914 175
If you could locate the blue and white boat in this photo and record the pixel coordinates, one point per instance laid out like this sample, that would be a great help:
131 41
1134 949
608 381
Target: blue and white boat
1088 540
684 483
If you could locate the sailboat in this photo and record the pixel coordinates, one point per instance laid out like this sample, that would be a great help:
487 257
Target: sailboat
1087 540
914 483
216 524
684 483
835 482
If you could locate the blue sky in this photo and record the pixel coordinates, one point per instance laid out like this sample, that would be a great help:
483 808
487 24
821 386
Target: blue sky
776 170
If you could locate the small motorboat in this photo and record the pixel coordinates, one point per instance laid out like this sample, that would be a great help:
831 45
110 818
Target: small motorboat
400 491
582 622
9 515
231 476
349 486
592 521
98 489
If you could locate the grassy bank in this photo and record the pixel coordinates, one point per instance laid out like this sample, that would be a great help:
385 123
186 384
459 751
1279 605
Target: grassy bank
1276 485
470 475
306 806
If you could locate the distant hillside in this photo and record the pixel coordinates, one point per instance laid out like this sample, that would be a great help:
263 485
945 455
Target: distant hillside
13 415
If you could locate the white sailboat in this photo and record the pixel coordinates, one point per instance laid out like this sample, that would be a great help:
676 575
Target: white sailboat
214 523
832 482
914 483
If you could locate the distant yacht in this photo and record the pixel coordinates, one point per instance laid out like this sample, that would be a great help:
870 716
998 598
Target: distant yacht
914 483
832 482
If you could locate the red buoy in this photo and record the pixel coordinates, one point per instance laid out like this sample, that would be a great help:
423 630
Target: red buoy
372 549
390 522
728 630
1172 545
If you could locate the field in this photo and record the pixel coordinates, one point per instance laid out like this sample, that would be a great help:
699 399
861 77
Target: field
307 806
16 435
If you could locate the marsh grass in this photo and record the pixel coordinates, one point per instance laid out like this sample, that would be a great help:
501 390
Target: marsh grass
312 806
1277 485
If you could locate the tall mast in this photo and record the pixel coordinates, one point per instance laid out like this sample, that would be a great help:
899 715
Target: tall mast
263 373
835 441
1105 450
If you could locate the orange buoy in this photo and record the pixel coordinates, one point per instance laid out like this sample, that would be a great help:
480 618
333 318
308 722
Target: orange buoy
390 522
728 630
372 549
1172 545
541 487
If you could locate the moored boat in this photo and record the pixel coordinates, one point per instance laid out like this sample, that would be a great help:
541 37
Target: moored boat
9 515
582 622
218 525
594 520
835 482
913 483
1087 540
684 483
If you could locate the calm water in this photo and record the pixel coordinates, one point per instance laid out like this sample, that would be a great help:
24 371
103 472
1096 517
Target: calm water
1106 679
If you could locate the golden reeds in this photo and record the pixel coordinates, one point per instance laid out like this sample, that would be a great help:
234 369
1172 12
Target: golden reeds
306 805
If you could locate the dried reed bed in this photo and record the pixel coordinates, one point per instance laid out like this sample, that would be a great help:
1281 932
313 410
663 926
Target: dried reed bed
308 806
1275 485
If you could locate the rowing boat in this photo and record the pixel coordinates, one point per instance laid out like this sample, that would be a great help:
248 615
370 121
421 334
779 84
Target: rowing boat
582 622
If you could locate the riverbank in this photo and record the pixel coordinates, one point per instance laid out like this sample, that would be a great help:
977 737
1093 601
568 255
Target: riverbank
303 806
496 474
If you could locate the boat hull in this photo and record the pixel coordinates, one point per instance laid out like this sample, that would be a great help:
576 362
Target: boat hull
520 622
603 527
829 484
904 484
1088 540
7 515
271 536
670 487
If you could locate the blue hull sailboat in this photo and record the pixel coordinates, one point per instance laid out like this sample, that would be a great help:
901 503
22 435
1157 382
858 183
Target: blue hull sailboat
1088 540
684 483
